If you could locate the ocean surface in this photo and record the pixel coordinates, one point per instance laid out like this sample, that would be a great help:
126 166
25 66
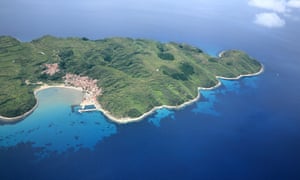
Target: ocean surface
245 129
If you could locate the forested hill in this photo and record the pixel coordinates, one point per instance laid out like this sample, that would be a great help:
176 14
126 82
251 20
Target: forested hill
135 75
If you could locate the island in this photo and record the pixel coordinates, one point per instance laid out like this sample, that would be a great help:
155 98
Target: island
127 79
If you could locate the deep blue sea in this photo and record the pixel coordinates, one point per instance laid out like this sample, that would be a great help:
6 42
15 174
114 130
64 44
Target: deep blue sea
245 129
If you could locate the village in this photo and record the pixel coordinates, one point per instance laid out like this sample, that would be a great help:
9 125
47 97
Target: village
89 86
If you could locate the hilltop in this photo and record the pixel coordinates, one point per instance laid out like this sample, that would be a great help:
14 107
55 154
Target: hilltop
134 75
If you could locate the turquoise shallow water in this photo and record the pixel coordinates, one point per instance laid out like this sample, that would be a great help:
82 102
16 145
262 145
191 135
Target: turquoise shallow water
54 127
225 132
159 115
246 129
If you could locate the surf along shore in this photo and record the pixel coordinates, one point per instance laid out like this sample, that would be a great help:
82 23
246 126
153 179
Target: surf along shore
90 99
129 120
125 120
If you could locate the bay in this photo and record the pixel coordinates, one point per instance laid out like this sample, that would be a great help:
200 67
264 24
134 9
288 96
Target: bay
245 129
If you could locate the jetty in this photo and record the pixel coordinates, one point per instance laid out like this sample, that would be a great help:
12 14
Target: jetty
87 108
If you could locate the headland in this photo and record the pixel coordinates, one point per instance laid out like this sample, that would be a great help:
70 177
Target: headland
126 79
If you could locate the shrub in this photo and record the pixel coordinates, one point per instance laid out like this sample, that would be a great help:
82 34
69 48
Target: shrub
173 73
134 113
187 69
166 56
66 53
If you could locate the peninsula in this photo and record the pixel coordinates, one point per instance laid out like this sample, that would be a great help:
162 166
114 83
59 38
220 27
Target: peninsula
125 78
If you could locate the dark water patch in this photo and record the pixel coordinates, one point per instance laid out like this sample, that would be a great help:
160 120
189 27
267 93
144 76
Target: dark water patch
74 108
76 137
89 107
50 125
30 131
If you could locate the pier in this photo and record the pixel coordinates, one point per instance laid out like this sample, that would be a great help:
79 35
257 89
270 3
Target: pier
87 108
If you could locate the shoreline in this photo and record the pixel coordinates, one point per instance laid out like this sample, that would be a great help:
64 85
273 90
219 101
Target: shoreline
221 53
123 120
244 75
13 120
126 120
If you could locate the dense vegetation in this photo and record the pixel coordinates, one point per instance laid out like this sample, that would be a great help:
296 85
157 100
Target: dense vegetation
134 74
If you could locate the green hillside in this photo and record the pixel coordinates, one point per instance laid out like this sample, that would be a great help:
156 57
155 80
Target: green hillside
135 74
